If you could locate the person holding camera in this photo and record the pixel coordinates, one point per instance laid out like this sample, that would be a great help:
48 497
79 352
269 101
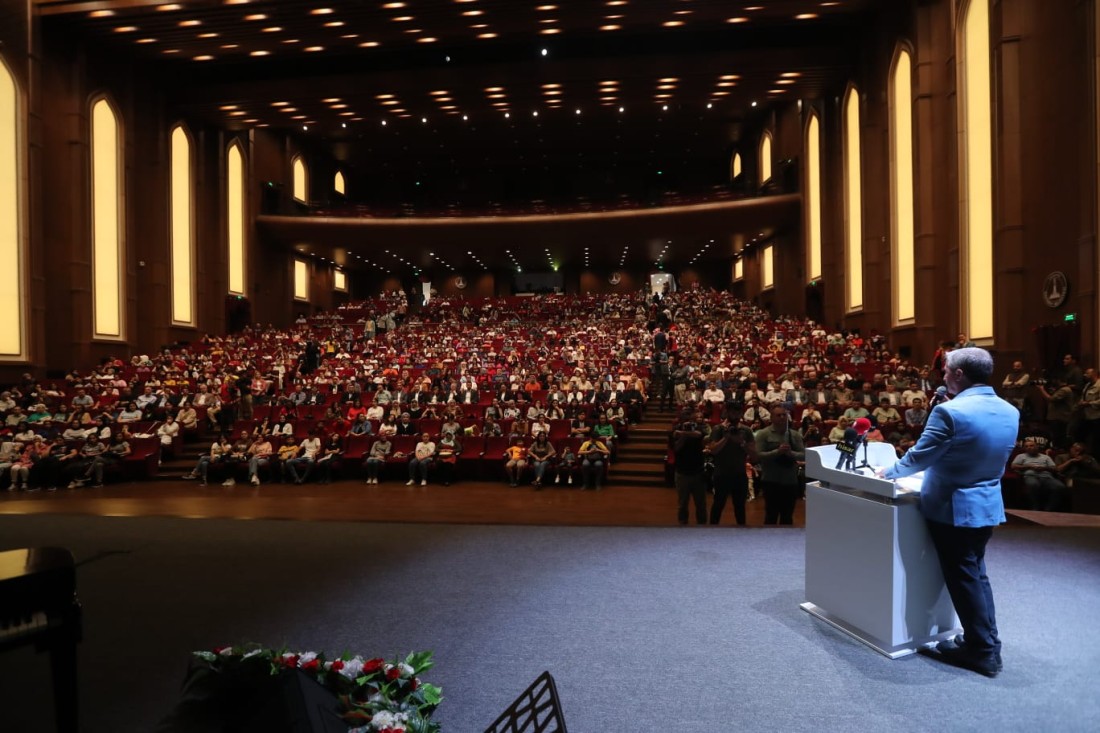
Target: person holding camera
779 448
687 447
730 448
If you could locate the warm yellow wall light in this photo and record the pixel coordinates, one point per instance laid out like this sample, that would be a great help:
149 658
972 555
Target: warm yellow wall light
11 238
767 267
301 192
301 280
853 204
976 140
765 157
183 240
235 216
338 183
901 189
813 198
106 223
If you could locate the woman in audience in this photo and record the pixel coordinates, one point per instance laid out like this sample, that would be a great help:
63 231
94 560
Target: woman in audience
376 458
836 435
421 460
329 457
130 413
541 453
447 452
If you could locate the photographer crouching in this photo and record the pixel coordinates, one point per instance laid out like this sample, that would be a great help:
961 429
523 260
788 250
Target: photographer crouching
779 449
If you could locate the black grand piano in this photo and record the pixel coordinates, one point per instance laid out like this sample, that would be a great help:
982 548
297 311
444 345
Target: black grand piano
38 605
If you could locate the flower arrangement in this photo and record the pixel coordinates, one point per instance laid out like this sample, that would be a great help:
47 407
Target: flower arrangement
375 696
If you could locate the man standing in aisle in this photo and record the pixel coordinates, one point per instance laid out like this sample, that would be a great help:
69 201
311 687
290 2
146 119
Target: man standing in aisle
779 449
963 451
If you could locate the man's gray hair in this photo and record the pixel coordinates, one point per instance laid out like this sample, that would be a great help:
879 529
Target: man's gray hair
976 363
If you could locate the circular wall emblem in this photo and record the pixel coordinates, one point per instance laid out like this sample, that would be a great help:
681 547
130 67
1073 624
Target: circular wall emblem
615 278
460 282
1055 289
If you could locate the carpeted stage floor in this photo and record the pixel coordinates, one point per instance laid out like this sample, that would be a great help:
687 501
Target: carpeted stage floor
645 629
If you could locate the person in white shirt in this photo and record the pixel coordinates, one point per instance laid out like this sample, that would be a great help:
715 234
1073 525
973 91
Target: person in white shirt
753 393
310 447
168 430
421 460
713 393
775 394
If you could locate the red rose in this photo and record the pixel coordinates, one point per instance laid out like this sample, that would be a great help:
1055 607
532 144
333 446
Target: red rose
290 662
372 665
413 684
311 665
337 665
220 649
393 674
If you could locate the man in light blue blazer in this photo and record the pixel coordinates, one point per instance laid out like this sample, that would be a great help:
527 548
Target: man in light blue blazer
963 451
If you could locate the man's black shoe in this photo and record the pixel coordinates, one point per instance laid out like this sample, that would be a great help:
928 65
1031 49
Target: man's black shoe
960 641
958 655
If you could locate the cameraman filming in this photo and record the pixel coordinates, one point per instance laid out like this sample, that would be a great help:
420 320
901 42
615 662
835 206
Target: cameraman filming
779 448
687 447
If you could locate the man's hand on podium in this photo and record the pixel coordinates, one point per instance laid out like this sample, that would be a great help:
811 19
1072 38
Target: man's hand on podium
880 473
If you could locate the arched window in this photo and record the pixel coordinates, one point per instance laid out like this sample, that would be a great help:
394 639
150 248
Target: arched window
11 221
976 160
338 184
235 217
901 188
301 191
853 204
107 218
735 166
183 237
813 198
765 157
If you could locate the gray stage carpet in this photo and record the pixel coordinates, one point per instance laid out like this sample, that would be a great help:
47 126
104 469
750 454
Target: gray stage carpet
685 629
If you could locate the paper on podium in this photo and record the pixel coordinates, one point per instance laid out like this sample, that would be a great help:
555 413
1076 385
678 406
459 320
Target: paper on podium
821 464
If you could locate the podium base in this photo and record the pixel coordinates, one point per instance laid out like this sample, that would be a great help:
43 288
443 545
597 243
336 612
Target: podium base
893 652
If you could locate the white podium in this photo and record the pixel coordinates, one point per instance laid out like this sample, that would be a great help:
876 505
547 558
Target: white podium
871 568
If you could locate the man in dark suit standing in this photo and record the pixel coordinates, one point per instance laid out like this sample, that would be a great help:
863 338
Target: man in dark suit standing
963 451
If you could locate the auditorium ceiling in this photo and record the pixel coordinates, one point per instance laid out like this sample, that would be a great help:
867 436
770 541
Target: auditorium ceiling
495 106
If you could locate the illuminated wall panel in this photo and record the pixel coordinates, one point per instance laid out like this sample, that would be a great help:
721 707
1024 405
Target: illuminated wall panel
340 280
183 240
338 184
765 157
301 280
901 145
767 267
301 192
235 217
977 145
813 198
853 204
11 234
107 282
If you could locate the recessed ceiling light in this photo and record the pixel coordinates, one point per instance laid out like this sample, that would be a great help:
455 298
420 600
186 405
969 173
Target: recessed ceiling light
322 11
739 19
805 16
368 44
146 40
208 35
273 29
280 104
204 57
126 29
393 6
546 8
672 23
549 32
260 53
256 16
402 18
168 7
611 27
227 107
334 24
427 39
189 23
486 35
472 12
101 14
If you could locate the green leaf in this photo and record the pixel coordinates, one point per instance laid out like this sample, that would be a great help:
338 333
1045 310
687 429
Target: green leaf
432 695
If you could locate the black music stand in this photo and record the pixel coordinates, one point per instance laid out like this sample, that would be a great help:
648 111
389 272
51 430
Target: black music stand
536 710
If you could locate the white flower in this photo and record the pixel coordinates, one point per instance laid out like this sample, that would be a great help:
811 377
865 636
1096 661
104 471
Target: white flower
307 657
406 670
227 652
252 653
352 668
385 719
